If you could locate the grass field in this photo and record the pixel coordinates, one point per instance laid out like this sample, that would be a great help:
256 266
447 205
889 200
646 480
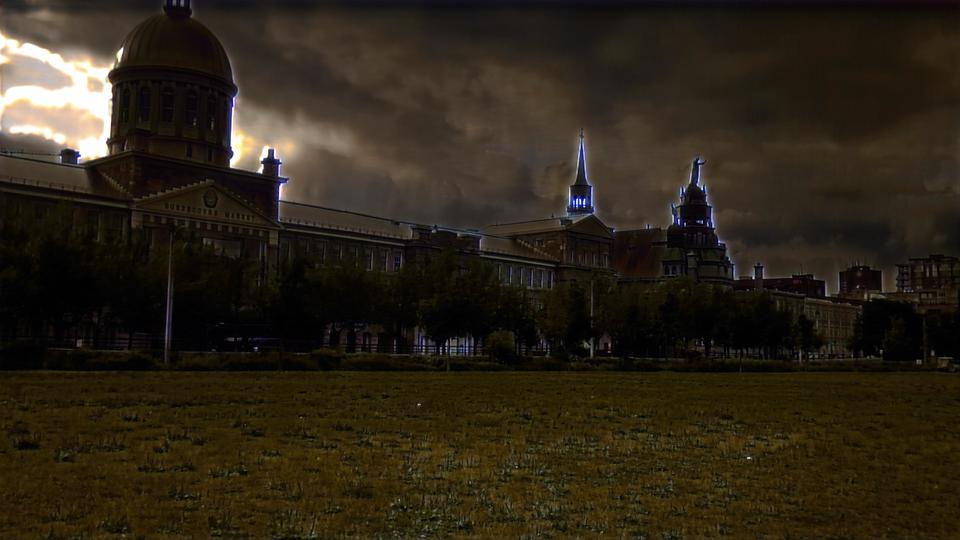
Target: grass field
658 455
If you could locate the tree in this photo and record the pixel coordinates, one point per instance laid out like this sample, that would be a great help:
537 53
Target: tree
565 318
808 340
897 344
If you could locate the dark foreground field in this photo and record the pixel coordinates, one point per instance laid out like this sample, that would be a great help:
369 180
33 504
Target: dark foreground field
496 455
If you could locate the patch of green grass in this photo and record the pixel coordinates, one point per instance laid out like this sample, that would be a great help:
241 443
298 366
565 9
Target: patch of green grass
513 454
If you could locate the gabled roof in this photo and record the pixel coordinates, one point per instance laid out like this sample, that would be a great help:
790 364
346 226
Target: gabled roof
497 245
49 175
196 190
588 223
294 213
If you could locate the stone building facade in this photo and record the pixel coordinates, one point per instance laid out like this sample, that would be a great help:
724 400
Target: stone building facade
168 167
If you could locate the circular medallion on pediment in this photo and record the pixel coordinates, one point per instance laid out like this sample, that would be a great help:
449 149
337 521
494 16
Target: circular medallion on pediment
210 198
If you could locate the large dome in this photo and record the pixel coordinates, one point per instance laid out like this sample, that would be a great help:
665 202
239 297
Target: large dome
174 40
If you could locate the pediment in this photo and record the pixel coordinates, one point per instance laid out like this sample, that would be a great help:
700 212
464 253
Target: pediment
206 201
591 225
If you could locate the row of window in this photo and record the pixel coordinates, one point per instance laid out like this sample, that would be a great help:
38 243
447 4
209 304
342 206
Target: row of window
321 251
191 107
533 278
600 260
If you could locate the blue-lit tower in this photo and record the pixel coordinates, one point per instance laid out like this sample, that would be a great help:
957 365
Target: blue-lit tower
581 193
693 248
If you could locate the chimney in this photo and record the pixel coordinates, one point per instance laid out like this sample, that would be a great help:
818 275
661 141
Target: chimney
69 156
271 165
758 276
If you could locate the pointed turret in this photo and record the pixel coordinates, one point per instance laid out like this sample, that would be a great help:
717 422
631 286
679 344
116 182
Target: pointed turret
581 193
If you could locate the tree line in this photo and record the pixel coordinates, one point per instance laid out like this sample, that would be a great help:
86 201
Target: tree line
59 280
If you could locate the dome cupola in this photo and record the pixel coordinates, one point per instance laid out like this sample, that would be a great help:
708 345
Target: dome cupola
693 210
173 89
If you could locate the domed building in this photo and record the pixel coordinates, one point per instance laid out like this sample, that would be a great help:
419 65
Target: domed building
168 171
167 175
173 90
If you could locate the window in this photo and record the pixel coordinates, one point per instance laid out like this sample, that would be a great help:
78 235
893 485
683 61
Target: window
530 277
190 112
370 259
383 261
397 260
144 104
211 113
125 105
509 274
539 279
166 105
499 271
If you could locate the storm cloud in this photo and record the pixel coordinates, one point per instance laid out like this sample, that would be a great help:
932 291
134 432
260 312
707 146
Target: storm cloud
831 134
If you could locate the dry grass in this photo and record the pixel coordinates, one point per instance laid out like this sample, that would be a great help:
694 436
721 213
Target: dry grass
496 455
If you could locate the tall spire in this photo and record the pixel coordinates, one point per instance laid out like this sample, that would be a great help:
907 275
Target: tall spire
581 193
581 165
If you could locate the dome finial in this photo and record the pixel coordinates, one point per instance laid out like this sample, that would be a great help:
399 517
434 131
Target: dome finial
177 8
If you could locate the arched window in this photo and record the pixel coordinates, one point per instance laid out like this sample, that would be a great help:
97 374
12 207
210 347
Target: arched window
211 113
125 106
166 105
143 103
190 111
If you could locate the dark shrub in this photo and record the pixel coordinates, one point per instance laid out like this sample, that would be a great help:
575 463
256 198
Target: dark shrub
199 361
501 347
22 354
381 362
542 363
327 359
120 361
68 359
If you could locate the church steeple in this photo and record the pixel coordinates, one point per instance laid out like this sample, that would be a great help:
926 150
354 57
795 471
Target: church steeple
581 193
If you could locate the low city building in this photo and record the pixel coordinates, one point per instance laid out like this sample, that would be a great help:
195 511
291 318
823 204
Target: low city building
860 282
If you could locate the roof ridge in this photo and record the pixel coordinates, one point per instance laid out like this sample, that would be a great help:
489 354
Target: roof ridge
524 221
381 218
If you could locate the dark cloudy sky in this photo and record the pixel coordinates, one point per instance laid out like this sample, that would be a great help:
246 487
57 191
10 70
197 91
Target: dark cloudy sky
831 132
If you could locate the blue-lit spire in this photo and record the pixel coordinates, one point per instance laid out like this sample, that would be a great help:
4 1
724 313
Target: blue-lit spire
581 193
581 165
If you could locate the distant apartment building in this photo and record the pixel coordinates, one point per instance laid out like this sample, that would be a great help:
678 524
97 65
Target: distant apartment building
931 282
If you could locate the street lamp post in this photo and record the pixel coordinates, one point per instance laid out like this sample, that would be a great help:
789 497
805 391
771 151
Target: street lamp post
168 316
